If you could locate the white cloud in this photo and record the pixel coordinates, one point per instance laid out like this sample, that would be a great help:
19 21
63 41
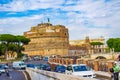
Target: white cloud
19 25
23 5
94 18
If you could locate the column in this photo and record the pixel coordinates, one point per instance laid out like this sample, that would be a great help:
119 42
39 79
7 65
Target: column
96 65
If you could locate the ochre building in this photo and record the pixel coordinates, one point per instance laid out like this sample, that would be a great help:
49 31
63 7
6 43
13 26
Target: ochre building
84 47
47 39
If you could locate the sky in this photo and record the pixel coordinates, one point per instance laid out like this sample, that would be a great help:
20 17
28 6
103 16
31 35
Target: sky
93 18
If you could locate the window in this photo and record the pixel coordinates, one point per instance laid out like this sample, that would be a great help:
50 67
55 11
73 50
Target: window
81 68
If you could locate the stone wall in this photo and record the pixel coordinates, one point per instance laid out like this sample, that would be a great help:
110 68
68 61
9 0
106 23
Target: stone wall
48 75
47 40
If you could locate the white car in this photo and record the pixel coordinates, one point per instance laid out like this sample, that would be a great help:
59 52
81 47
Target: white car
81 70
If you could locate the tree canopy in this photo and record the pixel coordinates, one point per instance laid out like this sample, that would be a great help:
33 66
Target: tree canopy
12 43
96 43
114 43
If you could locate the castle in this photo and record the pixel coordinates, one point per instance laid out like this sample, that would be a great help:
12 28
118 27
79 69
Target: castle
47 39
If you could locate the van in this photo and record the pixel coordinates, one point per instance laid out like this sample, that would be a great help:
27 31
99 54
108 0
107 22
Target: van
80 70
19 65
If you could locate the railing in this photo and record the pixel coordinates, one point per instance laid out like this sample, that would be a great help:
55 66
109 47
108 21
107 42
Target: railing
97 65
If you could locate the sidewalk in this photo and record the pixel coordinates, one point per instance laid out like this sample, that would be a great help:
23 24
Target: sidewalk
102 74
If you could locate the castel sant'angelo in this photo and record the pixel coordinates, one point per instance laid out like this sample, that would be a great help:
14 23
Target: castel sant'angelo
47 39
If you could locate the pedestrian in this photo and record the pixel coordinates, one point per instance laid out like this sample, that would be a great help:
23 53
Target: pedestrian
0 73
118 57
7 72
116 70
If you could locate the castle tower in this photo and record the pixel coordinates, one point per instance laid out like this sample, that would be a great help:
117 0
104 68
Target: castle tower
87 41
47 40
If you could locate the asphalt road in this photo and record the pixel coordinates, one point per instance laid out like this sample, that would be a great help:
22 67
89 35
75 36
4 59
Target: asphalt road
14 75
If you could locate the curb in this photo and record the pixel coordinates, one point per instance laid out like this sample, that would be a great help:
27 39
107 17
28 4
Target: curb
27 76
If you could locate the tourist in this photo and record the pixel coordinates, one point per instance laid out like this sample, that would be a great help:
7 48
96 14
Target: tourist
119 57
116 69
7 72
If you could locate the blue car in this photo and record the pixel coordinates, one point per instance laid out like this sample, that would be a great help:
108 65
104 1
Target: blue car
46 67
45 59
60 68
39 66
31 65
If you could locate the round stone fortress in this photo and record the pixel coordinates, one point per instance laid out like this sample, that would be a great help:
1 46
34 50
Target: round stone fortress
47 39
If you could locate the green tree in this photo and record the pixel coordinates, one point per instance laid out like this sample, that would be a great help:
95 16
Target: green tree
12 43
96 43
12 48
2 49
21 41
6 39
114 43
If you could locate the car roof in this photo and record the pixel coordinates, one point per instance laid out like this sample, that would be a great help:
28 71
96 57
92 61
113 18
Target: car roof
77 65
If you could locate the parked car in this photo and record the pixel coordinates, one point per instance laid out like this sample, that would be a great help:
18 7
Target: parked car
37 57
31 65
38 66
46 67
81 70
60 68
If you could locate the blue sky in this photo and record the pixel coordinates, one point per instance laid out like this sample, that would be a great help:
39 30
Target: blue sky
93 18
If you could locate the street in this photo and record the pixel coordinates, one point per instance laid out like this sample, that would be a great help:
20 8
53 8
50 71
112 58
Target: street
14 75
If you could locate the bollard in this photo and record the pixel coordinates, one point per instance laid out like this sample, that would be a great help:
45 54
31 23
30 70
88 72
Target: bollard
66 62
77 61
96 65
85 62
110 65
71 61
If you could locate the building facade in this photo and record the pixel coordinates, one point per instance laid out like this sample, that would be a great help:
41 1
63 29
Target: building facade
84 47
47 39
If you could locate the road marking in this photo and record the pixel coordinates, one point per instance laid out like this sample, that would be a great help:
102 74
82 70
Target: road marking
25 75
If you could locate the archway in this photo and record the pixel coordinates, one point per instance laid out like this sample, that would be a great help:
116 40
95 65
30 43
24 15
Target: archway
101 57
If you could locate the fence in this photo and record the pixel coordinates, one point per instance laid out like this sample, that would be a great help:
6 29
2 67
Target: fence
97 65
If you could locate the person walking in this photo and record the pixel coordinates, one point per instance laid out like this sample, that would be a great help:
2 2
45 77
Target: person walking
7 72
116 70
118 57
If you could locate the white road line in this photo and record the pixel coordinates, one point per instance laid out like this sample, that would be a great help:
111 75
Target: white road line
25 75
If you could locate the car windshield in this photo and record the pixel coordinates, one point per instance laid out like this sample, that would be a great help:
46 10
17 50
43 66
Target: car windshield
22 64
81 68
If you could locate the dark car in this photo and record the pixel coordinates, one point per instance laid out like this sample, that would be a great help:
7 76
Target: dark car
60 68
31 65
36 58
39 66
46 67
45 58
